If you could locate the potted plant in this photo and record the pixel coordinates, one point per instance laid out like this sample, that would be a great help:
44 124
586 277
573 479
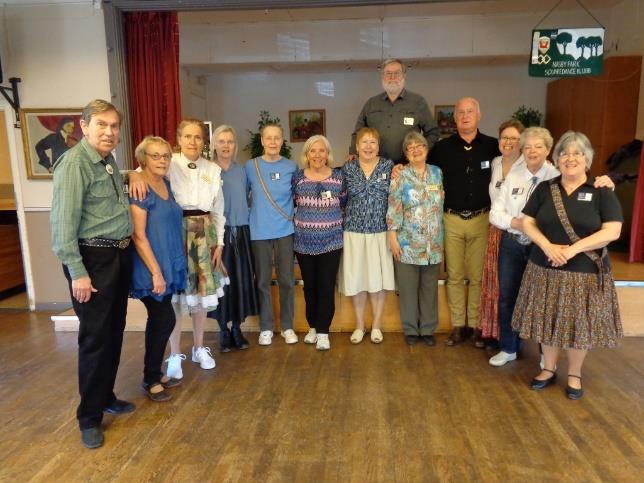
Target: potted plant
528 116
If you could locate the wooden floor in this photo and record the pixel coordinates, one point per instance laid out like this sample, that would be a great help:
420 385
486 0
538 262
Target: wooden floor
290 413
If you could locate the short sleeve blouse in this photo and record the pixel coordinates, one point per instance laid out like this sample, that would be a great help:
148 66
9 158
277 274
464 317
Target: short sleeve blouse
164 231
587 208
367 198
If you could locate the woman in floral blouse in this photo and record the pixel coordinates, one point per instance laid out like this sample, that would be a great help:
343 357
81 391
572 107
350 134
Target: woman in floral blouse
367 266
415 224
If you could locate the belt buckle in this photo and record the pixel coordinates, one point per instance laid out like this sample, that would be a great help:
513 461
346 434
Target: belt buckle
124 243
466 215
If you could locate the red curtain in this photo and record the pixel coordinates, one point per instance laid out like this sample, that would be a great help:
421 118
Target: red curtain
152 40
637 226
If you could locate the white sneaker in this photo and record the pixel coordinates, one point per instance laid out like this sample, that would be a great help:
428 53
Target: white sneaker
203 356
265 337
323 342
290 336
174 366
502 358
311 337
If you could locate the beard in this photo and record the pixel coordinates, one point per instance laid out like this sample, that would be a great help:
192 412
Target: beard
393 89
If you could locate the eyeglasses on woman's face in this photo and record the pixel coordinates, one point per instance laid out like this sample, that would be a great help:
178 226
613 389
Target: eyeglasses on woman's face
416 147
158 156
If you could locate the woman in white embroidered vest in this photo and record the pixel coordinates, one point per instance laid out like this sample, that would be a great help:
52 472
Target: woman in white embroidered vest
567 298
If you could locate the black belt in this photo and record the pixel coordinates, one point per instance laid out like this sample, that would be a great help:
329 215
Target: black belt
467 214
105 242
195 213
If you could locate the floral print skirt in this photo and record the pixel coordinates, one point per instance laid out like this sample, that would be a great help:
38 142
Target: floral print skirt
205 283
568 310
489 305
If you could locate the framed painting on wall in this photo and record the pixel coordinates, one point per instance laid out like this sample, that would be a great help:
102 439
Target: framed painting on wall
303 124
46 135
444 116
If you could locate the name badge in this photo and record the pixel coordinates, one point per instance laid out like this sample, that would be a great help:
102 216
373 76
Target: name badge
433 187
517 191
408 121
498 184
275 176
383 176
326 194
584 197
206 178
485 164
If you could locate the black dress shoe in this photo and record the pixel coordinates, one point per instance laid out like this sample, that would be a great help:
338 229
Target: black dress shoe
225 340
92 438
477 339
538 384
119 406
411 339
238 338
430 340
572 392
171 382
455 337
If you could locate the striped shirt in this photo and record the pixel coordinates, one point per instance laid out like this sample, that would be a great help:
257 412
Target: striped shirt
318 217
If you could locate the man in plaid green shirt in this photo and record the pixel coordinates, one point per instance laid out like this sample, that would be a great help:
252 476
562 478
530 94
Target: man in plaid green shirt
91 228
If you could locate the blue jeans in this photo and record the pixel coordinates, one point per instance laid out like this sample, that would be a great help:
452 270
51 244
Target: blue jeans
513 258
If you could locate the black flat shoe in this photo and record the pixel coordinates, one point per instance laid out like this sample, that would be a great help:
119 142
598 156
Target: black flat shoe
572 392
119 406
429 340
160 396
92 438
538 384
411 339
225 340
238 338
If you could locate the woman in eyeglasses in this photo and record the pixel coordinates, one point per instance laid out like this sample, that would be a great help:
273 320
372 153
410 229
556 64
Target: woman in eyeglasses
157 272
196 185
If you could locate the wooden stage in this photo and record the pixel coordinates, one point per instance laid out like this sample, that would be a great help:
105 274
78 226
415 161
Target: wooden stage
627 276
283 413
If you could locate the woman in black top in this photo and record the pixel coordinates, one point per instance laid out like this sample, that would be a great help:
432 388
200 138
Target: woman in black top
567 298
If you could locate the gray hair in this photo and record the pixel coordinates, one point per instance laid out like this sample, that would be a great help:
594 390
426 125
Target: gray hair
309 144
537 132
414 137
391 60
220 130
580 140
139 152
468 99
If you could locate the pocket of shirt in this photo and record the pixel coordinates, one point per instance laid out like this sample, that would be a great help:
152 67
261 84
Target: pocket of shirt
101 187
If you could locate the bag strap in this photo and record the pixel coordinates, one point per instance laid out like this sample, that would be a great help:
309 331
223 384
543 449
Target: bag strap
267 194
563 218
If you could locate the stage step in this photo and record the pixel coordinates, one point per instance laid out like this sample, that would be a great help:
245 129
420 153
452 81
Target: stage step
631 301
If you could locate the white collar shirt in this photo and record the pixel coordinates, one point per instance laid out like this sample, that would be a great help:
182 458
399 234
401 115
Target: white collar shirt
514 194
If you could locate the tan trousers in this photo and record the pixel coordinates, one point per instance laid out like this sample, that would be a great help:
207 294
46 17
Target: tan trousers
465 245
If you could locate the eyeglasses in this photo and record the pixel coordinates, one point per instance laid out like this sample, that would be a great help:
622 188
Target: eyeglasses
414 147
393 75
575 155
509 139
157 156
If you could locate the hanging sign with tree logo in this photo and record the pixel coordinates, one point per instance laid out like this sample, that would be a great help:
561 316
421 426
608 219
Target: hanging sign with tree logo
567 52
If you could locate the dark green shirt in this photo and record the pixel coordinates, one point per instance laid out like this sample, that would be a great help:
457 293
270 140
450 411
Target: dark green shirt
393 120
88 203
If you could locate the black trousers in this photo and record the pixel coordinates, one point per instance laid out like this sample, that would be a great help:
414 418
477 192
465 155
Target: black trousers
319 273
100 334
161 320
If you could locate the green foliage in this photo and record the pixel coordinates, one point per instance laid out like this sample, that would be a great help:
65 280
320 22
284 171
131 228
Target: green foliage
528 116
254 147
